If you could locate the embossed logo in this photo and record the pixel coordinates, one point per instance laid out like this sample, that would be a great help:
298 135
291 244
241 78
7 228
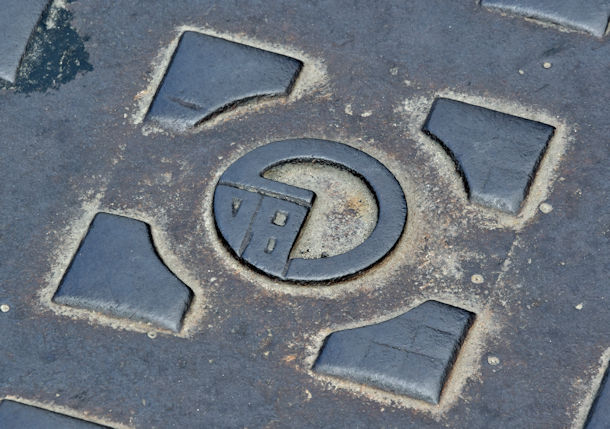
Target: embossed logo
260 219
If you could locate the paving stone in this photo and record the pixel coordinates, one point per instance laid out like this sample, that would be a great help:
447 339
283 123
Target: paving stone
248 224
208 75
17 21
15 415
411 354
589 15
496 154
599 416
117 271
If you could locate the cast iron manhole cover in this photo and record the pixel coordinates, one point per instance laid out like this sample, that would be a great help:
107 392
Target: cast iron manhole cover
204 214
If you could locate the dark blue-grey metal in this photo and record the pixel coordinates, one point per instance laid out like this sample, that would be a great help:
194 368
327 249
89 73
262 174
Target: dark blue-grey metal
411 354
117 271
208 75
17 22
599 415
246 175
15 415
496 154
586 15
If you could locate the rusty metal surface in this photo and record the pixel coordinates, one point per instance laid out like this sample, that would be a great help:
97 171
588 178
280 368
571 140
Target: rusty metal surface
243 358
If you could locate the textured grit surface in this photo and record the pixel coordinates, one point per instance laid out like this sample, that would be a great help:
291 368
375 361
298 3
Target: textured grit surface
76 89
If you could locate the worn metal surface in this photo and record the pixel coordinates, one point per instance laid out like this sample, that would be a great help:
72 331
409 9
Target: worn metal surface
116 271
243 358
258 237
411 354
344 213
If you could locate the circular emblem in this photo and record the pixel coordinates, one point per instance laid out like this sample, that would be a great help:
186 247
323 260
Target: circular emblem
260 219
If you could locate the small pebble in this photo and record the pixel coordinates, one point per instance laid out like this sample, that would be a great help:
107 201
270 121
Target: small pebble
521 71
546 208
477 279
493 360
547 65
4 308
152 335
579 306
